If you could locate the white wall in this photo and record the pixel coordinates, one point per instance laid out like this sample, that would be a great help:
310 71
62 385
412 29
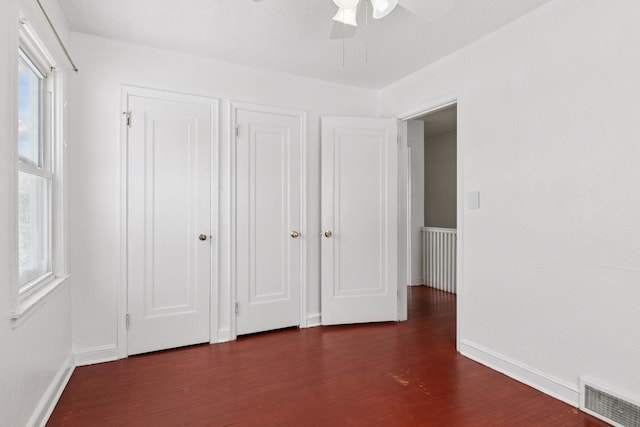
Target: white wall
440 180
95 160
35 355
415 142
550 137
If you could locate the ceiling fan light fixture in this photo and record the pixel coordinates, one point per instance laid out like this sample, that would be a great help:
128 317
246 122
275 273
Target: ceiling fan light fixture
347 15
382 8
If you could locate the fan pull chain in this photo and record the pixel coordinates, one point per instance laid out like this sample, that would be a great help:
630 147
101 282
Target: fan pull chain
343 43
366 32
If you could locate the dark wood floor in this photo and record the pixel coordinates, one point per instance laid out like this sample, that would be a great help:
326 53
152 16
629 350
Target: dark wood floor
393 374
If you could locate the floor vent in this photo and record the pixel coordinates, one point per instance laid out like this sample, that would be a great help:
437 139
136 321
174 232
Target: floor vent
609 406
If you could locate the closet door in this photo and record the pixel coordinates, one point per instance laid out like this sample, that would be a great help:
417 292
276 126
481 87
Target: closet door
169 221
359 220
268 212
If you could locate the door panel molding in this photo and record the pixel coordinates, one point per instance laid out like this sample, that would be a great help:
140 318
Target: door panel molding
126 92
301 116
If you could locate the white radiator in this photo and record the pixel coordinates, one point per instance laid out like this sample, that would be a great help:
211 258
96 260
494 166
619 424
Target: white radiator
439 258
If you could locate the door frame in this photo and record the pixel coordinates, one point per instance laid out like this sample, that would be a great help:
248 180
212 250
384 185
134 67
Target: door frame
436 104
234 106
122 290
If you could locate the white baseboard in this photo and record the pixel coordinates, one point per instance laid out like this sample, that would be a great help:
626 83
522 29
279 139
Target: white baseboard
554 387
314 319
50 399
224 335
417 284
90 356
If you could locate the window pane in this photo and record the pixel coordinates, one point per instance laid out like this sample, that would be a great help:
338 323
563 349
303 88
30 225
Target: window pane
34 235
29 115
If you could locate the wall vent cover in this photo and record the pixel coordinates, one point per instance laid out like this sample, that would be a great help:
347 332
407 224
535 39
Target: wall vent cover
609 406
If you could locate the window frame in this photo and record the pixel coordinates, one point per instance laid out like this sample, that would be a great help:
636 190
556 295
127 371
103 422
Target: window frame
46 94
30 295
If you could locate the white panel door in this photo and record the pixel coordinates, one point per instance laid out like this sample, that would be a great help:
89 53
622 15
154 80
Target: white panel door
359 220
268 239
169 222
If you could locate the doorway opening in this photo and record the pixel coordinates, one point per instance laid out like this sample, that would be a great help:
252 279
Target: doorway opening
433 199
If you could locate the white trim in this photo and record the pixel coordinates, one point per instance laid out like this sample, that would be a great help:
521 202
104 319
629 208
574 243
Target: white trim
436 104
11 8
224 335
439 103
303 221
48 402
121 291
234 106
59 181
91 356
410 208
440 229
38 298
125 92
404 219
33 46
231 245
532 377
459 219
214 293
313 320
403 300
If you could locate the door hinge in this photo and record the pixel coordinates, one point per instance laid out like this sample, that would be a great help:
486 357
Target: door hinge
127 320
237 308
399 139
237 130
127 117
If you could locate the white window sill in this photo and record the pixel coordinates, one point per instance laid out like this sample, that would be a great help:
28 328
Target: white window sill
30 304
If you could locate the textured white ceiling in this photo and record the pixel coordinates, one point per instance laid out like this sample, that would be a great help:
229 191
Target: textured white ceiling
298 36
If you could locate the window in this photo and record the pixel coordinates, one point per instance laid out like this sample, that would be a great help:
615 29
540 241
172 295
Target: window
38 183
34 176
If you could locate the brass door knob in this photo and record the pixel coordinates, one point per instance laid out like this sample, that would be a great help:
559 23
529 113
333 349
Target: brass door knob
294 234
328 233
202 237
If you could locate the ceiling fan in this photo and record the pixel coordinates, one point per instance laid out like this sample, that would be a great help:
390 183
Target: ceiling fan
348 10
345 20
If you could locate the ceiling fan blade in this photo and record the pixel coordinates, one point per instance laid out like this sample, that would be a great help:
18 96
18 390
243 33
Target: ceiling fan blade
341 31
